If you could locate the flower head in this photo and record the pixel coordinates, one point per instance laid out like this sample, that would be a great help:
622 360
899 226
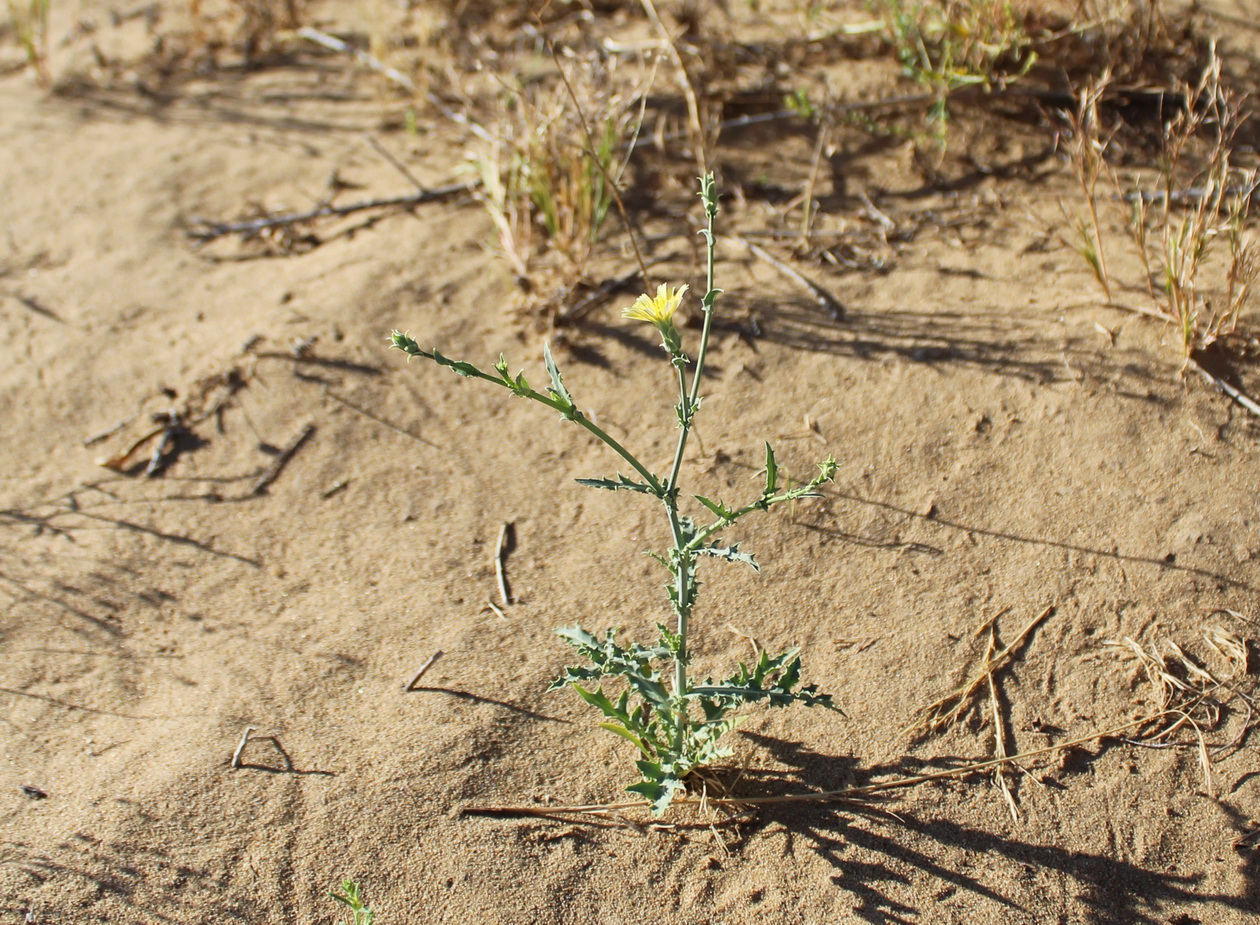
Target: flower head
659 310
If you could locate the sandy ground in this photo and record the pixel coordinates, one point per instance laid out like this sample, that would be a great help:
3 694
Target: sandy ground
1005 445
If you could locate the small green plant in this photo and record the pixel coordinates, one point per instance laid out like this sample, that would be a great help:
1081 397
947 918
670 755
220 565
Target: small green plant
547 173
946 45
1219 196
1087 151
674 721
29 19
1177 230
350 897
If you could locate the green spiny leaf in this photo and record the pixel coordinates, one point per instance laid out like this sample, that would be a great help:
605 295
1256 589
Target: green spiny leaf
620 484
657 787
557 383
577 637
719 509
597 698
772 472
730 553
628 735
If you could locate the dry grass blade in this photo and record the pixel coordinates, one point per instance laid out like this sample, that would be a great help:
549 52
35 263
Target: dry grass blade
999 733
1230 647
947 711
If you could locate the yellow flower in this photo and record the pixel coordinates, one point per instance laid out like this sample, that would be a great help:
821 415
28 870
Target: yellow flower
659 310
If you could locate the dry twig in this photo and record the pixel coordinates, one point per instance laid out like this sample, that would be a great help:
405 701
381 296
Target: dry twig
826 301
205 230
946 711
500 553
273 471
847 793
1220 384
236 755
423 668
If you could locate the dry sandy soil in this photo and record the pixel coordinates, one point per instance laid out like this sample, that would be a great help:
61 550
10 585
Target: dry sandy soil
1007 445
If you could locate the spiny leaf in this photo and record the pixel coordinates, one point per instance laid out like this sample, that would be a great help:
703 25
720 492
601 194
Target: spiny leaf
557 383
772 472
577 637
628 735
620 484
717 507
657 787
597 698
730 553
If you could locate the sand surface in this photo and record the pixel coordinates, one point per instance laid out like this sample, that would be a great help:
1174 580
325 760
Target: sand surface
1008 448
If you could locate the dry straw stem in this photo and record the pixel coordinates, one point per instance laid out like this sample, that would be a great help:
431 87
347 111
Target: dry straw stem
847 793
500 553
999 732
240 748
947 711
699 138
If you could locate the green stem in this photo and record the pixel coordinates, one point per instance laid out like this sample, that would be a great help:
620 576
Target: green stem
687 408
760 504
685 422
408 345
707 304
616 447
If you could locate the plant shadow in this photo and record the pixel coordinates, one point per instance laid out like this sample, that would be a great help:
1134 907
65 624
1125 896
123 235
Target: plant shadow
1165 563
876 854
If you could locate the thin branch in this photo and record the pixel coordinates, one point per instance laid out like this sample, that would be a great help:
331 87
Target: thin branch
423 668
207 230
285 455
1218 383
826 301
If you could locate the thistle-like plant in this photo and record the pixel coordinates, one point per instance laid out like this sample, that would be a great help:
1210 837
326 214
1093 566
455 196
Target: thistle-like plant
675 721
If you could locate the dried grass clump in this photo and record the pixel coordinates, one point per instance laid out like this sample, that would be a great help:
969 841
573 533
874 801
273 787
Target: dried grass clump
549 168
1190 227
1193 695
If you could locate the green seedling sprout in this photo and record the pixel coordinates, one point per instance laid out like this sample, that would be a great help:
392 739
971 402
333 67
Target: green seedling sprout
674 720
350 896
